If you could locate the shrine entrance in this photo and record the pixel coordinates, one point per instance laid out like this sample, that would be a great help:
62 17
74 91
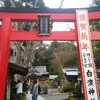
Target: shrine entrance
81 34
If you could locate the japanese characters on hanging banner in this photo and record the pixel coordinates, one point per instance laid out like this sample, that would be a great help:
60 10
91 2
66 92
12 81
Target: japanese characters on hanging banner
86 56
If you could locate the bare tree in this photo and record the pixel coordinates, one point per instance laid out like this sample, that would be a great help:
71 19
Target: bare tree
23 52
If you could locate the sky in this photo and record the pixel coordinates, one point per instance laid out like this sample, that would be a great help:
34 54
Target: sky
66 4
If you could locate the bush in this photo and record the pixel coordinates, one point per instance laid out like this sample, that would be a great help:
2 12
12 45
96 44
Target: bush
77 91
68 88
71 98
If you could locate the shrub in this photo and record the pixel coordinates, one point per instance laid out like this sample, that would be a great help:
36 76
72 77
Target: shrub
77 91
68 88
71 98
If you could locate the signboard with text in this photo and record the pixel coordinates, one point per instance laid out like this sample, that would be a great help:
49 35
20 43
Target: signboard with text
44 25
87 65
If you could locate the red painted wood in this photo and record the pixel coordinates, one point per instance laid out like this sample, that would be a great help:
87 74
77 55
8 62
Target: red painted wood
95 35
54 16
56 35
33 16
94 16
4 54
34 36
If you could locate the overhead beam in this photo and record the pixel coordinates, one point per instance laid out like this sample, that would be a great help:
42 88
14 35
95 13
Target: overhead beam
60 17
30 14
56 35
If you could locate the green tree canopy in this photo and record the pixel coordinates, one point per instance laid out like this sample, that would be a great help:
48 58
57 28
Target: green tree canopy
95 3
22 3
57 54
95 25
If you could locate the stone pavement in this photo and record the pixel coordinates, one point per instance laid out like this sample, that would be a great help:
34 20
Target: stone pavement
40 98
29 97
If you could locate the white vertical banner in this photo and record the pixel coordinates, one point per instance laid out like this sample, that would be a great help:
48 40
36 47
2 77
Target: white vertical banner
87 66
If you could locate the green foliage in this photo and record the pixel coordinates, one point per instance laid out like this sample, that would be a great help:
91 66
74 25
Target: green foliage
68 88
71 98
64 53
95 25
48 83
42 56
56 54
77 91
96 52
96 2
52 70
23 3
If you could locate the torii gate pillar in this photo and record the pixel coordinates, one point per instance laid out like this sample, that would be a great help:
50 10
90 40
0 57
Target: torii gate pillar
4 53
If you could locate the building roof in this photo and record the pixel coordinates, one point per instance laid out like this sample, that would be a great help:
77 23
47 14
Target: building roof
52 77
71 71
42 70
74 71
17 69
38 71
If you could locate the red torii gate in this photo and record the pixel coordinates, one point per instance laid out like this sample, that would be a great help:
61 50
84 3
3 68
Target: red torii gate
9 15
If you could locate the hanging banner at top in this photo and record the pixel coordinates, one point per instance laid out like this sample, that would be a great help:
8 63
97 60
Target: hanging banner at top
86 56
